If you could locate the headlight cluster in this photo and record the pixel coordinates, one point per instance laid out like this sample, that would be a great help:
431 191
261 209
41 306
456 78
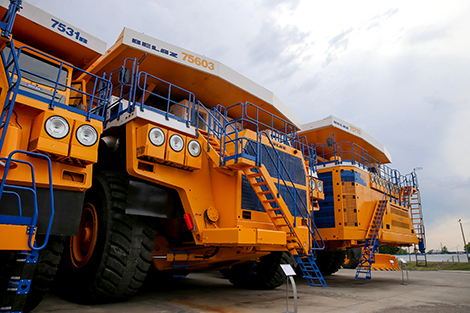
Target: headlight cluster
318 185
58 128
157 138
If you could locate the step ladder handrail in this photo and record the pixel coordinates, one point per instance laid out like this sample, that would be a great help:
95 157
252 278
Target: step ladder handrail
32 189
6 24
307 217
10 99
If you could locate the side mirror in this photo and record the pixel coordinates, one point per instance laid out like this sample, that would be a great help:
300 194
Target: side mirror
329 142
124 76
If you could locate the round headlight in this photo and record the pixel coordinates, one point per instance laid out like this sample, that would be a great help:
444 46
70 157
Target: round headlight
87 135
312 184
194 148
320 186
176 143
57 127
157 136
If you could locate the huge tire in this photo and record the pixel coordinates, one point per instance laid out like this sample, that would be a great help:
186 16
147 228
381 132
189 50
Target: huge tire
265 274
329 262
109 258
353 255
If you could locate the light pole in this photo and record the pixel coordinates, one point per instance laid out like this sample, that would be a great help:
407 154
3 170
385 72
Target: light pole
464 242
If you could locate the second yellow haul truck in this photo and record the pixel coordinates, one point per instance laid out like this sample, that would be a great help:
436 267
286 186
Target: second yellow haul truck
191 175
366 202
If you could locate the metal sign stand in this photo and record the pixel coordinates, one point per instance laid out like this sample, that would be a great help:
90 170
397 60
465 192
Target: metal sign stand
290 273
403 274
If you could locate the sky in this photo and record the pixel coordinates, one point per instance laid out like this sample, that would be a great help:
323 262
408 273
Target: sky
400 70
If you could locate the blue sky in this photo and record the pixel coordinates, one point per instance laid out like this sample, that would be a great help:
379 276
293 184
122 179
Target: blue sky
399 70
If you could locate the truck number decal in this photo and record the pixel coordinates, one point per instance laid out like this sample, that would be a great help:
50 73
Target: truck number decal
68 30
198 61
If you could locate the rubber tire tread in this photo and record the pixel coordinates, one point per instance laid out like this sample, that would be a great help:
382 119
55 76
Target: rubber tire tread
337 262
263 275
329 262
354 255
123 252
45 271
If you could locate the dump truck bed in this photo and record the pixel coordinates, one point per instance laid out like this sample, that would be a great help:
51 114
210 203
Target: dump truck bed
54 36
317 132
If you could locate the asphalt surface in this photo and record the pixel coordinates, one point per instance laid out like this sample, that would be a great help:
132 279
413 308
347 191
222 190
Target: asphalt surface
427 291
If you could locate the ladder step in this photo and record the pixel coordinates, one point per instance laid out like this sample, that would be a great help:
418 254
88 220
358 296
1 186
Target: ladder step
270 200
254 175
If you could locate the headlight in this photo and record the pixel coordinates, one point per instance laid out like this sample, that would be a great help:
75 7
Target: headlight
57 127
320 186
312 184
194 148
176 143
157 136
87 135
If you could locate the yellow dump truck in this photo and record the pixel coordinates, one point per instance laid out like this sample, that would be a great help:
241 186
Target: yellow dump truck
52 114
366 202
198 168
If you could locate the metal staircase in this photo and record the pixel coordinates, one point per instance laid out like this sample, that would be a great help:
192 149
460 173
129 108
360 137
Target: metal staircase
275 207
372 240
264 186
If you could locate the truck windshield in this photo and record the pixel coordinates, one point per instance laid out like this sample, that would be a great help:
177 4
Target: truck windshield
39 70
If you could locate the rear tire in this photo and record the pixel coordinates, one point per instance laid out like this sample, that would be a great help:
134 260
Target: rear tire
109 259
354 255
265 274
329 262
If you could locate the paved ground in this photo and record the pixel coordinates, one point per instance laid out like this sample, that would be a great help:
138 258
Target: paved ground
442 291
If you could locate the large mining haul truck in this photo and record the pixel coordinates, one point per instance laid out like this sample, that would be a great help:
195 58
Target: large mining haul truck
366 203
52 114
198 168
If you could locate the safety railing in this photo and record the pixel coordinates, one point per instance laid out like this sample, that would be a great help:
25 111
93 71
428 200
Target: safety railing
148 92
19 219
123 89
348 153
89 99
258 119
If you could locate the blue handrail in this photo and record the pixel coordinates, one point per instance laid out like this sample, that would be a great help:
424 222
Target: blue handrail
33 221
12 90
351 153
6 24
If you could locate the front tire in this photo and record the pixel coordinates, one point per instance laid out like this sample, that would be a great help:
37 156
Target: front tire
109 259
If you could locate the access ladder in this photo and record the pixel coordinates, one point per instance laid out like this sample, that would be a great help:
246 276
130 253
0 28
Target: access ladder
372 241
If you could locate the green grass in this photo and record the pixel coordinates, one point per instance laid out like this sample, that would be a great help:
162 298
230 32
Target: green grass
434 266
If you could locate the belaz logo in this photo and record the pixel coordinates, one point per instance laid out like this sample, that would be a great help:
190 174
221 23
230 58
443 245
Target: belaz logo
154 48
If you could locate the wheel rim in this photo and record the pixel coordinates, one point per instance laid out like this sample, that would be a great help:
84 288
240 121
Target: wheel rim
83 245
